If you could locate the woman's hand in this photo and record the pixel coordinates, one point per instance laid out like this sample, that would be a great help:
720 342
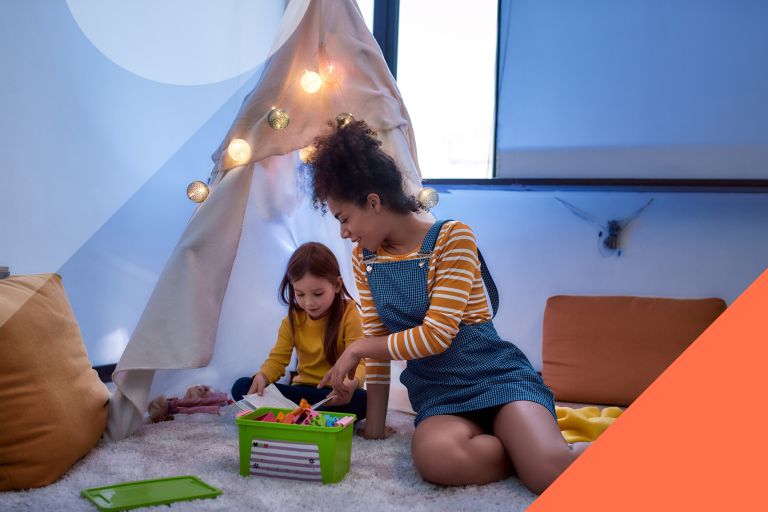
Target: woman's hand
260 381
343 395
388 432
346 365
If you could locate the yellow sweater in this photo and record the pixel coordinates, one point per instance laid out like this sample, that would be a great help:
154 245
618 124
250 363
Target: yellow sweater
308 343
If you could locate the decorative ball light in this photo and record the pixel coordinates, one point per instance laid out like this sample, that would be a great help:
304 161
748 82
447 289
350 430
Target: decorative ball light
374 134
198 191
310 81
429 198
239 150
329 72
307 153
344 119
278 119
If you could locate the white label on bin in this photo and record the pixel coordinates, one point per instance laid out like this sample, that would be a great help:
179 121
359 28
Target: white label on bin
285 460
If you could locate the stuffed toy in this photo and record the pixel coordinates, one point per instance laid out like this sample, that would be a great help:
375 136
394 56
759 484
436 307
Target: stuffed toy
197 399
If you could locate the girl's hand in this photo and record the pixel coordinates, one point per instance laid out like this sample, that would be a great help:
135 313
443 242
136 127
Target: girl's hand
345 366
388 432
344 395
260 381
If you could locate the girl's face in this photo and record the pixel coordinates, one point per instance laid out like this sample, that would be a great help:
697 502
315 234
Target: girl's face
315 295
360 225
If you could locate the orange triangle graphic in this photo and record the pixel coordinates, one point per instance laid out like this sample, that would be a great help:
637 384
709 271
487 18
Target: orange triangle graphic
694 439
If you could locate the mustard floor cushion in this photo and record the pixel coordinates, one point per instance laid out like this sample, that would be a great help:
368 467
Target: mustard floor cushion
53 407
609 349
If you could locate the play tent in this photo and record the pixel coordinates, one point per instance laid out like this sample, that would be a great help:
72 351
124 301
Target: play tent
219 287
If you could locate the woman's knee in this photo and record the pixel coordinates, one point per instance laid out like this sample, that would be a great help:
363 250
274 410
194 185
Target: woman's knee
539 474
436 457
444 455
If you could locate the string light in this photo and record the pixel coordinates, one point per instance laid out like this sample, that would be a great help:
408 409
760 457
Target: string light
278 119
344 119
239 150
329 72
198 191
429 198
374 134
310 81
307 153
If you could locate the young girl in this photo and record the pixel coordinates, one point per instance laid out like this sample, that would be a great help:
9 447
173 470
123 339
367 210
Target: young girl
482 410
322 323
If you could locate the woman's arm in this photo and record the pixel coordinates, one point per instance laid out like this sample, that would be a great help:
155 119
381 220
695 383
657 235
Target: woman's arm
376 412
346 365
456 296
378 394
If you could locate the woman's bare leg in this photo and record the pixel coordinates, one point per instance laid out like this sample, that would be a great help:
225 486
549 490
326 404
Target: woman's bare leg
457 450
534 443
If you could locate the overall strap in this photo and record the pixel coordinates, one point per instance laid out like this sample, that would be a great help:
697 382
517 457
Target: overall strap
429 245
367 255
489 284
429 241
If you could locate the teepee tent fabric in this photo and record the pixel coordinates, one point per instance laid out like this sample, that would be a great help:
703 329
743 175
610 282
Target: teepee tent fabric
181 323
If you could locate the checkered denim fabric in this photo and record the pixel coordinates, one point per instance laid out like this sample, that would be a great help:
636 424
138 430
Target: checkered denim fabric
478 369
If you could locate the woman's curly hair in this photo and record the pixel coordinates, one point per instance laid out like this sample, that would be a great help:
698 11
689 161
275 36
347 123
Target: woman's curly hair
349 164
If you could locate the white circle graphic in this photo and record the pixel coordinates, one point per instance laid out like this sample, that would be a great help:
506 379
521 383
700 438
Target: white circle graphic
181 42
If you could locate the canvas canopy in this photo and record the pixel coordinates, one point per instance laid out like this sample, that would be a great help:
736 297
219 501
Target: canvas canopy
219 285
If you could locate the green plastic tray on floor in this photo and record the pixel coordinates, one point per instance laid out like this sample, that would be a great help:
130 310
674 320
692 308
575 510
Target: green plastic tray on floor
146 493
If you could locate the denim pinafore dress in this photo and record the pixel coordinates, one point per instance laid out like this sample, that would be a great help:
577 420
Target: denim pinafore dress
477 370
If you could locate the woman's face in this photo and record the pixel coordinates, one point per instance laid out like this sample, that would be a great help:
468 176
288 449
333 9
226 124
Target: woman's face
315 295
360 225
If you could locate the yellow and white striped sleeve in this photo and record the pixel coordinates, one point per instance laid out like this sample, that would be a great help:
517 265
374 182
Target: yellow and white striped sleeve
456 281
376 371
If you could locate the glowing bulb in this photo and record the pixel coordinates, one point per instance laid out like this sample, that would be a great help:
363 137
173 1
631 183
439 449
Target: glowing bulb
278 119
310 81
374 134
329 72
198 191
344 119
239 150
307 153
429 198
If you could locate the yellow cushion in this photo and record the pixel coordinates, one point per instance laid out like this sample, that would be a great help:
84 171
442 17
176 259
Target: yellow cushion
585 424
609 349
53 407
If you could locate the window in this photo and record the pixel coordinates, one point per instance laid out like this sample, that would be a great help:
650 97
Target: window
446 65
656 89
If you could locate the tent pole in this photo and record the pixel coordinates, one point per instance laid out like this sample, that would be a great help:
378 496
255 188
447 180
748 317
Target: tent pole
386 20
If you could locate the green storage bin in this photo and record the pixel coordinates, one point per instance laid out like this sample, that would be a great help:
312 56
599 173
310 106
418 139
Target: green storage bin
294 452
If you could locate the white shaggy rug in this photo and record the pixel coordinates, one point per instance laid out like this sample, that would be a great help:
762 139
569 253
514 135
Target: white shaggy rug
382 476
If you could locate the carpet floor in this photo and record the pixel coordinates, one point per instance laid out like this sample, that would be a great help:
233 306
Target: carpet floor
382 475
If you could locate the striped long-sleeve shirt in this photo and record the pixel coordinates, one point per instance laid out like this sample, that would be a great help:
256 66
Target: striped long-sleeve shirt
456 295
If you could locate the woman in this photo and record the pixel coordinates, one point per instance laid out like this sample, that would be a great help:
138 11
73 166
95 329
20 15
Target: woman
482 411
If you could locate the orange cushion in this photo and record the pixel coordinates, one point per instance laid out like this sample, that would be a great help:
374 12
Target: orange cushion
53 407
608 350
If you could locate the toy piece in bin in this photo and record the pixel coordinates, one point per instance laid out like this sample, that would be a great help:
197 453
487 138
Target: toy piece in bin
314 419
269 417
305 453
147 493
